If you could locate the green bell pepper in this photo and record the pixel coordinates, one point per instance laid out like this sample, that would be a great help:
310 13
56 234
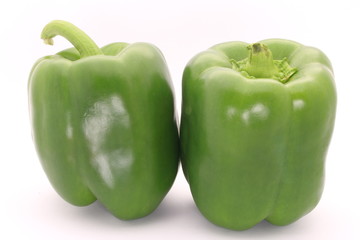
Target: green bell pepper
104 122
255 128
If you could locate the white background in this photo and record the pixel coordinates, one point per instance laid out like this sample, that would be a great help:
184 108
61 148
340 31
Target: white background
30 208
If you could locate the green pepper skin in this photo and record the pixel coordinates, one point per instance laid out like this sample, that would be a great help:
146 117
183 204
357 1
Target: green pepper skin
105 127
254 149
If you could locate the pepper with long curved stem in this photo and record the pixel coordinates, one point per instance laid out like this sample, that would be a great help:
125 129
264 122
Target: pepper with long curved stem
104 122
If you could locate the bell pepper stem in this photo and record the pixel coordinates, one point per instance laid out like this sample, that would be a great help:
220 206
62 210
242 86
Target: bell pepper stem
261 64
82 42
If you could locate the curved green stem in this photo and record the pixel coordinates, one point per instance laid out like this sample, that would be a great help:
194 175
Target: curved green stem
82 42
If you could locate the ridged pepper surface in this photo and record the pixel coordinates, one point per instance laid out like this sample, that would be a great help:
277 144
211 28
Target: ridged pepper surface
104 123
256 123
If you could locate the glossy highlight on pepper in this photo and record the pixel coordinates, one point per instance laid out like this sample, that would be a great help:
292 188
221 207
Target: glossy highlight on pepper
104 122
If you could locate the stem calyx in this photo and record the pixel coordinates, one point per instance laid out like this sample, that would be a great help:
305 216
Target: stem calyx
260 64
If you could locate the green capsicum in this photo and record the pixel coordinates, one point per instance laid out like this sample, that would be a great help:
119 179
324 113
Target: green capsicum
256 123
103 122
